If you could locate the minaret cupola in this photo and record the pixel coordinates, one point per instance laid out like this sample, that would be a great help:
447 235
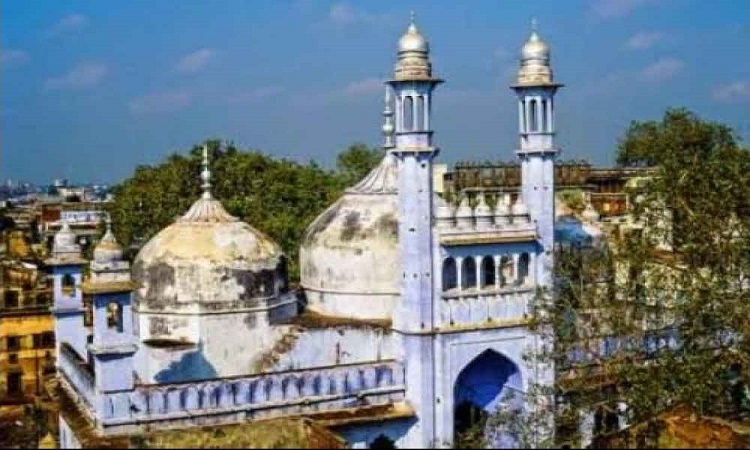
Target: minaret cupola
535 60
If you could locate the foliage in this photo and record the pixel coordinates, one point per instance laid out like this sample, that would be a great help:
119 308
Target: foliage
277 196
356 162
645 144
657 318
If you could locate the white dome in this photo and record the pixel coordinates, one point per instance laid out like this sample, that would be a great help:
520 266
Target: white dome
349 258
413 41
207 260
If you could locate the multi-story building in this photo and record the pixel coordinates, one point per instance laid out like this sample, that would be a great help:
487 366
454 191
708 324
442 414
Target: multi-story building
27 339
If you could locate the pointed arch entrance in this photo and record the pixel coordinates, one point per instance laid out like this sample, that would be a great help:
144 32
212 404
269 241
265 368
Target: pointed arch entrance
488 382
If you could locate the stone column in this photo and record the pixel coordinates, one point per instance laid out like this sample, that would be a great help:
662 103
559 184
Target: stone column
480 275
460 273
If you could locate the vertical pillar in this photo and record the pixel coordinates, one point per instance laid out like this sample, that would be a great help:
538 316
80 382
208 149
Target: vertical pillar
498 271
427 111
460 273
478 267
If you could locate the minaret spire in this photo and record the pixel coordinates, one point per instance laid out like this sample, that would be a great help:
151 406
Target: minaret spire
388 128
206 174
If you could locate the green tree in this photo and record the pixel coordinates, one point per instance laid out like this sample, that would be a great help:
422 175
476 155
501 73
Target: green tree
356 162
657 318
279 197
680 131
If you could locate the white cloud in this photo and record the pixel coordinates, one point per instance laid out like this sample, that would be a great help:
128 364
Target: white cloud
161 102
364 87
662 70
13 57
195 61
736 92
343 13
257 94
644 40
67 24
81 76
611 9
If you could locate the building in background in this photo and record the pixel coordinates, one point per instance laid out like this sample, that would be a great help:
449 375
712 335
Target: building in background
27 339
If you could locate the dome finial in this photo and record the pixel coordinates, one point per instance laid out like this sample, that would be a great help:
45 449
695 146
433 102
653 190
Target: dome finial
206 174
534 25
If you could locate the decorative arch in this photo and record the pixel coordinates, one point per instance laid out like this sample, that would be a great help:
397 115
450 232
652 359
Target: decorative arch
68 284
523 269
450 274
506 270
488 271
487 383
114 317
468 273
533 117
419 113
408 113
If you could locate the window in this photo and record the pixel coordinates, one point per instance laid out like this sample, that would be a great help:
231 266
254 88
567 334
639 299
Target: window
419 114
14 343
44 340
543 119
506 270
488 271
13 358
450 276
88 313
14 384
468 273
68 284
533 119
523 269
11 299
114 316
408 116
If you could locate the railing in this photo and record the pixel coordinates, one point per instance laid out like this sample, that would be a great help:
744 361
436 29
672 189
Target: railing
77 372
288 392
483 306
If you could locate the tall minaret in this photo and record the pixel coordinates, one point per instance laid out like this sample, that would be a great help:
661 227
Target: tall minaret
536 90
412 86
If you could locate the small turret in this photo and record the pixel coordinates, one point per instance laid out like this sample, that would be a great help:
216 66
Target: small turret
482 212
502 211
444 214
464 214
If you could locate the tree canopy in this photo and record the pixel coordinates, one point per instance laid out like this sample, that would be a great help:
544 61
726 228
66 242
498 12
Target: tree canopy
278 196
656 319
680 131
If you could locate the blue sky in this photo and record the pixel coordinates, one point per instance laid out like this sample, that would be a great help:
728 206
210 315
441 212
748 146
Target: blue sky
90 89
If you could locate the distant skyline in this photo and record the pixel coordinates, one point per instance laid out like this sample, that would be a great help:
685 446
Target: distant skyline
91 89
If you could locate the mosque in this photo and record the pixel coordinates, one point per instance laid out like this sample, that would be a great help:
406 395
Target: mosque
412 316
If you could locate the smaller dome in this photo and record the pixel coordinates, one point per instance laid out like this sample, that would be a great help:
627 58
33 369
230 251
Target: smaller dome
413 56
413 41
535 48
65 243
108 250
535 60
